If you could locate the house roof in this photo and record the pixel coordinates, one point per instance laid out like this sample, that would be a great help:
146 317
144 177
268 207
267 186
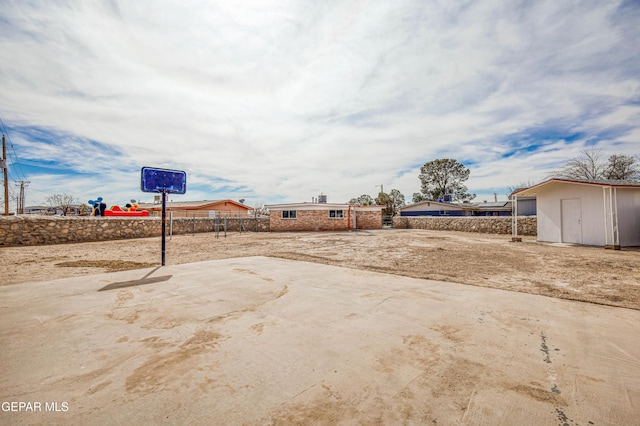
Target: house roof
492 205
533 190
499 205
464 206
320 206
191 205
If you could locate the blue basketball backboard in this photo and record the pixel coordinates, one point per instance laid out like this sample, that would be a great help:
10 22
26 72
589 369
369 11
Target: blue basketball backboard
163 180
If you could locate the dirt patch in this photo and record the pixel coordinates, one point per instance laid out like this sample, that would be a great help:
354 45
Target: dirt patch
590 274
108 265
158 372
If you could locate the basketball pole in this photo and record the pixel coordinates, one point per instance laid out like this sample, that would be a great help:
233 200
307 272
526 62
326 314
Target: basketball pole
164 224
163 181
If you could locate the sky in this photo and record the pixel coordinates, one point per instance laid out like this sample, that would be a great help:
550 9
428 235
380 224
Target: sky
280 101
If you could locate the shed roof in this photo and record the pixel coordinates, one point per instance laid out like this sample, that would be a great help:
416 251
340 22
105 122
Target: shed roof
560 181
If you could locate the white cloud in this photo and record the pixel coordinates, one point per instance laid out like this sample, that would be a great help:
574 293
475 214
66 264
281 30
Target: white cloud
287 99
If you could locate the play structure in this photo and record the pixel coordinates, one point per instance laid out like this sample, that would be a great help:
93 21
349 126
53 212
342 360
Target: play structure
130 210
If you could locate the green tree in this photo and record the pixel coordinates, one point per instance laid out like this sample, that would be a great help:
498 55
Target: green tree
392 201
418 197
397 200
363 200
444 176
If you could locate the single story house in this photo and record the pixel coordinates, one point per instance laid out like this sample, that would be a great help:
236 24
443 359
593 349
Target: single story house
206 208
525 206
497 208
37 210
438 208
323 217
599 213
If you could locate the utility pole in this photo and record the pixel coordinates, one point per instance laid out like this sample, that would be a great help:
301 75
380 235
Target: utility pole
20 205
3 163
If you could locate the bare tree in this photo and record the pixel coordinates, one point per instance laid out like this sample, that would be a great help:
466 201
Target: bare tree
623 167
588 166
66 203
522 185
591 166
260 210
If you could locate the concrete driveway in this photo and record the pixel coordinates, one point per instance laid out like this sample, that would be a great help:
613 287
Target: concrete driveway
267 341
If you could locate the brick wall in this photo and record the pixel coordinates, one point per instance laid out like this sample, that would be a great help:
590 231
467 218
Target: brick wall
37 230
369 219
319 220
308 220
527 225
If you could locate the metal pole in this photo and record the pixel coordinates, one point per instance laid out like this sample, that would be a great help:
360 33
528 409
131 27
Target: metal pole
616 241
613 218
5 167
515 220
164 224
606 228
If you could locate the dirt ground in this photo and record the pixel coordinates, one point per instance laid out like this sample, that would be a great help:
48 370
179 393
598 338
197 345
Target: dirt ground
590 274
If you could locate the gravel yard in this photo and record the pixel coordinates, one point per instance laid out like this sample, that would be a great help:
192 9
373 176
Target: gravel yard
590 274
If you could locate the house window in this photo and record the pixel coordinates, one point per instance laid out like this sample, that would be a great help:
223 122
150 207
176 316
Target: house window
336 214
444 212
289 214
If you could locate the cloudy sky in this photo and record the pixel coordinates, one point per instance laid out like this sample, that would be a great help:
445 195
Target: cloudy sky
278 101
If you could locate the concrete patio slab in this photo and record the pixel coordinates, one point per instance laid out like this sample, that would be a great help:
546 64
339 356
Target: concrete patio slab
267 341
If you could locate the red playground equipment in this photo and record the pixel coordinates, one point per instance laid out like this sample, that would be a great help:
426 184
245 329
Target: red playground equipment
117 211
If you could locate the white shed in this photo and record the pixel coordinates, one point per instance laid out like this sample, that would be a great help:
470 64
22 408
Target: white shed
598 213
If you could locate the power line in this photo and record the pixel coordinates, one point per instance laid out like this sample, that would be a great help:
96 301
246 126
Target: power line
16 160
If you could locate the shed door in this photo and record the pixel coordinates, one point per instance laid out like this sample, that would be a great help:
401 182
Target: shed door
571 221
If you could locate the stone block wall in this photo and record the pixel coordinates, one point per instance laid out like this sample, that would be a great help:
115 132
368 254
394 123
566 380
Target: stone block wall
37 230
527 225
